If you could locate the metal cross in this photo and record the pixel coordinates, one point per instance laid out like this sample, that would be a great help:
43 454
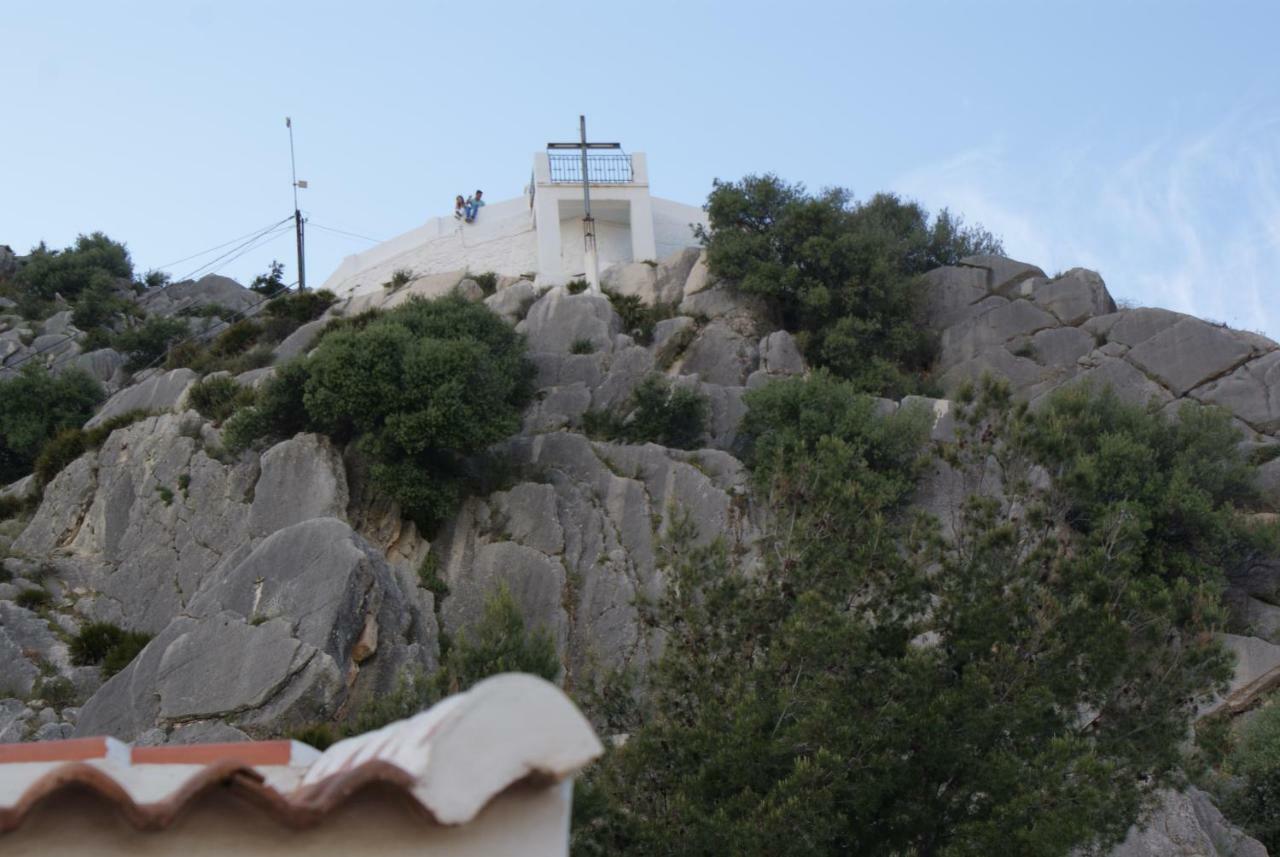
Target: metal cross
588 224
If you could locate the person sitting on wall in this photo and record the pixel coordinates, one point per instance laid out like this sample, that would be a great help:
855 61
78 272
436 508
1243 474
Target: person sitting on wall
459 207
474 205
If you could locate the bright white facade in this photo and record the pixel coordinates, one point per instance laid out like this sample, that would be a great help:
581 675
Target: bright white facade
539 233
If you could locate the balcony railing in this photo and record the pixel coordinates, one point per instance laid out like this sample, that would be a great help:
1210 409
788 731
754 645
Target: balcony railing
601 169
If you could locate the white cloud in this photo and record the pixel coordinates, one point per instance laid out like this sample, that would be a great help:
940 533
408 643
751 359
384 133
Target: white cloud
1191 223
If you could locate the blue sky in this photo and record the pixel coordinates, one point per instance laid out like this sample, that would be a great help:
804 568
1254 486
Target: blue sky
1141 139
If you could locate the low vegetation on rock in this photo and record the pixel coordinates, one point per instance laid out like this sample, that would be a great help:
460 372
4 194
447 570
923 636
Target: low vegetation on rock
843 276
657 412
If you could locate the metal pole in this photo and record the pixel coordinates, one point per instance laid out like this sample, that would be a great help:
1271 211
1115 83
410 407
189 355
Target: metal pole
297 213
589 259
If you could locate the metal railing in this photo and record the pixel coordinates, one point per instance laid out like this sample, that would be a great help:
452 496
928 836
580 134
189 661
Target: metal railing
601 169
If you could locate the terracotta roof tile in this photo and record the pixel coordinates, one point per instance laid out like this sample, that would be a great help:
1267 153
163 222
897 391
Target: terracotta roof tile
450 761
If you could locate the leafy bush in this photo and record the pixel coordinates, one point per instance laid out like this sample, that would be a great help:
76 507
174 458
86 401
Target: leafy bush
798 703
58 691
62 449
399 279
277 411
70 444
33 598
106 644
499 642
147 343
582 346
271 282
842 275
70 271
217 398
1251 798
236 339
638 318
657 412
301 307
34 407
12 507
421 387
577 287
488 282
98 304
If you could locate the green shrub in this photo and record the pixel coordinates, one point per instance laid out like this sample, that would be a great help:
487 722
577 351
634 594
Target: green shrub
108 645
33 598
236 339
488 282
70 444
57 691
318 735
638 318
70 271
62 449
499 642
842 275
278 410
34 407
657 412
577 287
98 304
258 357
582 346
147 343
12 506
1252 797
217 398
301 307
399 279
271 282
217 311
420 387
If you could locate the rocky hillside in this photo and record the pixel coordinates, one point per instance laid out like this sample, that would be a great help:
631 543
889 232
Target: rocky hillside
280 590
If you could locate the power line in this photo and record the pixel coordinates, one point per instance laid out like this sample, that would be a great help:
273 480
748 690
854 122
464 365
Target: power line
218 247
344 232
212 262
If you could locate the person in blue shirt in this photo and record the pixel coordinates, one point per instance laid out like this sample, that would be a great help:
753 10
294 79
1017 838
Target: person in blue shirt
474 205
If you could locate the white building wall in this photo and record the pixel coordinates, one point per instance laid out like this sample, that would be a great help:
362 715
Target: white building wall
613 245
512 238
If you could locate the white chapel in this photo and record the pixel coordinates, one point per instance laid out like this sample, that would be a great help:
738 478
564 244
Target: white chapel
540 232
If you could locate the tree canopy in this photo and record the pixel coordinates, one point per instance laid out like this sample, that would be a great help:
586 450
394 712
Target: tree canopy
873 686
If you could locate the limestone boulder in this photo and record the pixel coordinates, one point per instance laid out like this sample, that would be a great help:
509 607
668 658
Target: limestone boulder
299 342
166 391
633 279
1002 275
1257 673
300 478
1075 297
558 319
779 354
1138 325
310 619
721 355
1001 322
469 290
1187 824
1251 392
513 301
209 290
744 313
578 547
1187 354
1060 346
951 292
106 365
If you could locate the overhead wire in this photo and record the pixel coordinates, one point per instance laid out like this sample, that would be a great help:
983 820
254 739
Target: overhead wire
220 246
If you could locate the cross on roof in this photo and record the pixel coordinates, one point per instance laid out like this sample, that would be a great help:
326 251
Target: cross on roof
588 224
